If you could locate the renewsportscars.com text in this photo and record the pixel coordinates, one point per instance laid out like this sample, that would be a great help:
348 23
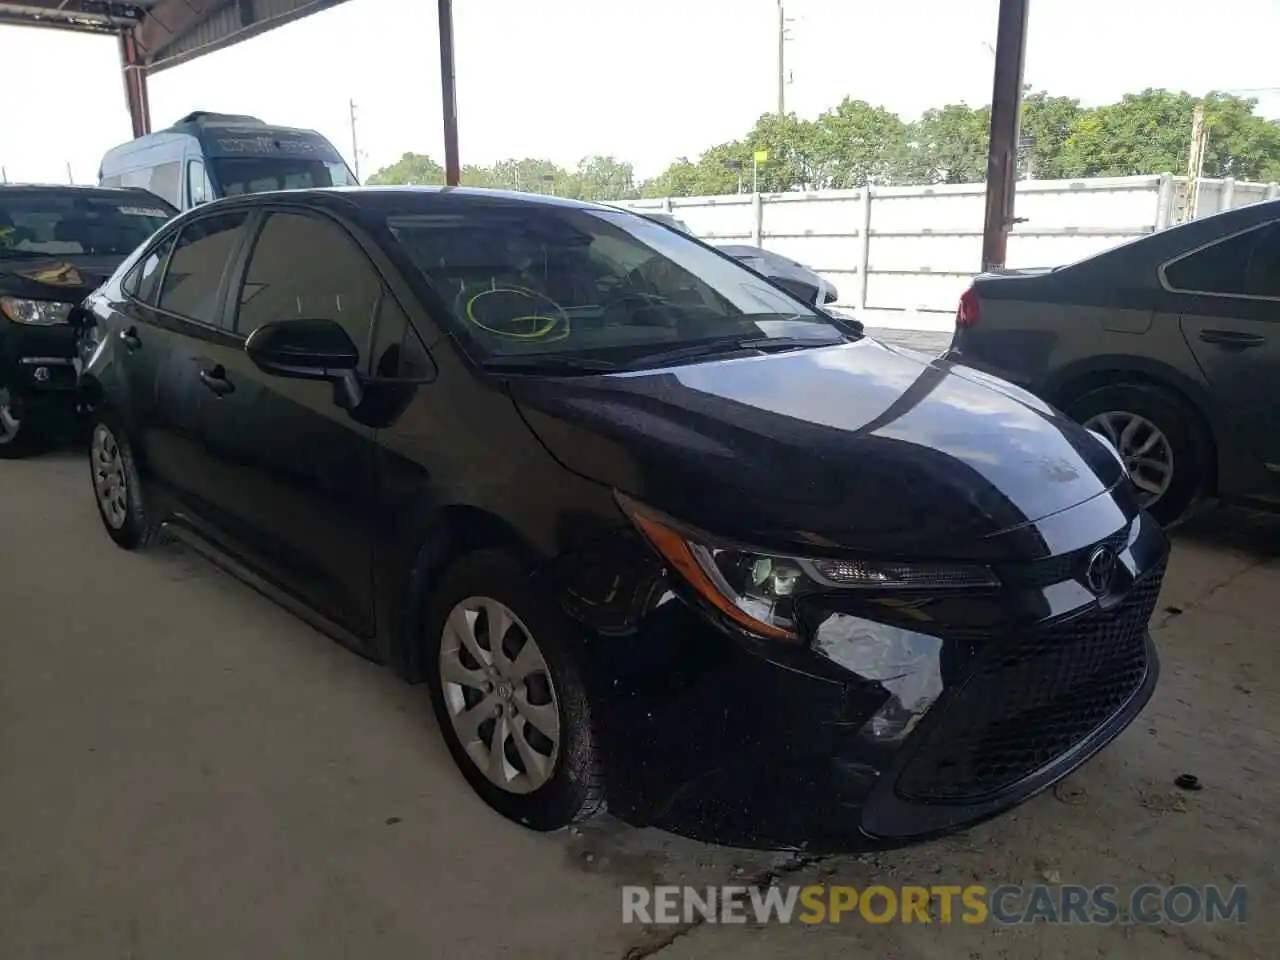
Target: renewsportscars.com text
971 904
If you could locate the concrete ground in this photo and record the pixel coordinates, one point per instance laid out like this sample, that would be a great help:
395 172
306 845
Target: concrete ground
187 771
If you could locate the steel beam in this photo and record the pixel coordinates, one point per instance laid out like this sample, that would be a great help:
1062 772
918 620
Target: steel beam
448 92
133 66
1002 150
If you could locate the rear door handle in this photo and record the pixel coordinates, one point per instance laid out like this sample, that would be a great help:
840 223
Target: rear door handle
216 380
1232 338
130 339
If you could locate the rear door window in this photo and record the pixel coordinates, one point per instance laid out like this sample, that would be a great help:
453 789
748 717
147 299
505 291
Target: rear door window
1247 264
196 267
143 281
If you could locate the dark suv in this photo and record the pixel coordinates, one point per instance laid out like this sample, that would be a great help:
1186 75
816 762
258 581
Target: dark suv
653 532
56 244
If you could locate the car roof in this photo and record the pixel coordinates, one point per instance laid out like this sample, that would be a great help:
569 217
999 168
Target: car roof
404 199
111 193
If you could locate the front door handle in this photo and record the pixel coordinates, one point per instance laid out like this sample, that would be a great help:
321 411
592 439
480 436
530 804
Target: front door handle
1232 338
216 380
130 339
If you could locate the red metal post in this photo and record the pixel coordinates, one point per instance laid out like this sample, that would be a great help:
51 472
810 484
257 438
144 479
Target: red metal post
448 90
135 84
1002 151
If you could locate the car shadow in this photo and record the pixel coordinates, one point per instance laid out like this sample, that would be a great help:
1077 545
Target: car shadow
1235 528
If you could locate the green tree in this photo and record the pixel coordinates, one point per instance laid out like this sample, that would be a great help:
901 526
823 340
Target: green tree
854 143
409 169
857 143
1050 121
1150 132
681 179
603 178
949 145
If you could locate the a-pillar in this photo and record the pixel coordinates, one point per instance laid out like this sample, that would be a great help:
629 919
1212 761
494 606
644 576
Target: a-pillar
133 66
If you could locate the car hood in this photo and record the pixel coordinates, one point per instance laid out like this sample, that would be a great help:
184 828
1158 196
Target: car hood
61 277
859 446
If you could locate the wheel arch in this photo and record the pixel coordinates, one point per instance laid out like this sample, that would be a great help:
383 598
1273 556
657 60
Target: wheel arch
450 532
1097 373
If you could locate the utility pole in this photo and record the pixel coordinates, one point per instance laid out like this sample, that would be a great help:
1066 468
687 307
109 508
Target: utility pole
782 59
355 143
1195 162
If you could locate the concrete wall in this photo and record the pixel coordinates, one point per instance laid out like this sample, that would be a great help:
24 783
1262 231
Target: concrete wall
915 248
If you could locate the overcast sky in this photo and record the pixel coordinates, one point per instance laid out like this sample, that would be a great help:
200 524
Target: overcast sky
645 81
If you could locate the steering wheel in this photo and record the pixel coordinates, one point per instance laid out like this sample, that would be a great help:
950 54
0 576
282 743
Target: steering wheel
650 305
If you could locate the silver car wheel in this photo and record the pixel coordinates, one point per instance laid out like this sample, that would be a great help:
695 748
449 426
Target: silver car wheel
1145 450
110 485
9 424
499 695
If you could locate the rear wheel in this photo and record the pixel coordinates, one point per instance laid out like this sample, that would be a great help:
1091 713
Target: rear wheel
509 697
117 488
1160 440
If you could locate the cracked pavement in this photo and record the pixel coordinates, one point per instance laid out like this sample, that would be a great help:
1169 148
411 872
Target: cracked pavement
189 771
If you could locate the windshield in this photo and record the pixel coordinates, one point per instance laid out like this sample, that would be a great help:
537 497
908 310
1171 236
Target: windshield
62 223
238 175
526 280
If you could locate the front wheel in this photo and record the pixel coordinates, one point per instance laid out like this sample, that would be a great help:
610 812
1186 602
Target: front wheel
1159 440
20 436
509 697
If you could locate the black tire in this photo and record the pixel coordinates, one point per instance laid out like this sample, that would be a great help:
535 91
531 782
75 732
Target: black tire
25 438
139 529
1182 430
575 790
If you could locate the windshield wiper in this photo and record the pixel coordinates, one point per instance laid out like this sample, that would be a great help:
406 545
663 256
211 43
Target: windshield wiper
28 255
695 351
550 363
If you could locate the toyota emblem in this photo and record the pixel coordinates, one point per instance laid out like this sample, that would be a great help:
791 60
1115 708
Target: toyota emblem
1100 573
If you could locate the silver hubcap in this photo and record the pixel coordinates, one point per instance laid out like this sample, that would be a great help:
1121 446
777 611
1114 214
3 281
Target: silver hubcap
499 695
9 424
1145 450
109 483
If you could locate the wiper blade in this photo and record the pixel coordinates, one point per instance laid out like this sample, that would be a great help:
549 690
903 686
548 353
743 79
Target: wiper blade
713 348
550 363
775 344
28 255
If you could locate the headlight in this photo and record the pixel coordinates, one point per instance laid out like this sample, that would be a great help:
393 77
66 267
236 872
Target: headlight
757 591
43 313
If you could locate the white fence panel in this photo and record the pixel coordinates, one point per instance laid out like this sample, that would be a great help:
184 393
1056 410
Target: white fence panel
925 243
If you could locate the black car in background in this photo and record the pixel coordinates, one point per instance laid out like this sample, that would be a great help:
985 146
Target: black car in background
795 278
653 532
1169 345
57 243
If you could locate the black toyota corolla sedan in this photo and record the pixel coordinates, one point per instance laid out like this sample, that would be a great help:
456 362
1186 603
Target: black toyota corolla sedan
654 533
56 244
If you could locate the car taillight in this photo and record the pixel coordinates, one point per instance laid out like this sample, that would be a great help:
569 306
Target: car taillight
967 311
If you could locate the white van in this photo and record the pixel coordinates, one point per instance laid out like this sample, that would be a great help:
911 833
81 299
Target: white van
208 155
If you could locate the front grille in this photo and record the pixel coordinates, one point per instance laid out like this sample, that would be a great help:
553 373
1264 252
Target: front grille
1043 573
1031 698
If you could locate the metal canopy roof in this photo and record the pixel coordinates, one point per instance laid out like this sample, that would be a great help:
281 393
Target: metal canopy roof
164 32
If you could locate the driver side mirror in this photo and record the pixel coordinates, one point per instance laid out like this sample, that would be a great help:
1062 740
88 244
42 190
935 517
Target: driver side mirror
309 350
